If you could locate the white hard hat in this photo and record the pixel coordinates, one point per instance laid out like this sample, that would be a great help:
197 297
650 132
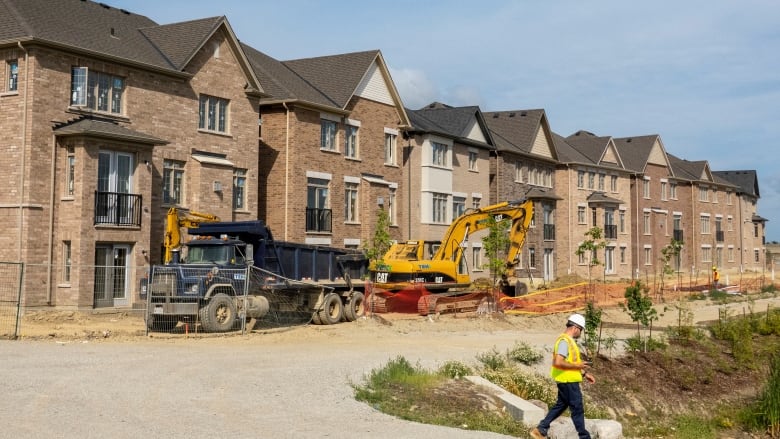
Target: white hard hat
578 320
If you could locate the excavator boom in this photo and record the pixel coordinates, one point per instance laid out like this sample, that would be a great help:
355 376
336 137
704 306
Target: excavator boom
175 221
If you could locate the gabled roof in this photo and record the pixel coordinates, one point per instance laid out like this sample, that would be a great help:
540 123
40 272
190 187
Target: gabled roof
683 169
91 126
516 131
179 42
102 31
590 145
636 151
747 180
453 122
567 153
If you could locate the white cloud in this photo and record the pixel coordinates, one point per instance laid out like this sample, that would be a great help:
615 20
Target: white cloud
415 88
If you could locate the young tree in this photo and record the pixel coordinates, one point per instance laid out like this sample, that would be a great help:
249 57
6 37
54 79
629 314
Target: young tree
380 243
496 244
590 247
670 252
639 307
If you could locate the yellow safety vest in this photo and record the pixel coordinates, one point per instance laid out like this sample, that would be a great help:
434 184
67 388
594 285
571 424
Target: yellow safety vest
567 375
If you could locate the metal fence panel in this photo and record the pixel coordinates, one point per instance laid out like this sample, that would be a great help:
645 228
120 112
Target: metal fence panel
11 274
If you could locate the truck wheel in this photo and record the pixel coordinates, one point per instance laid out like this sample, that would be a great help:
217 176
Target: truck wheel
332 309
219 315
315 318
356 307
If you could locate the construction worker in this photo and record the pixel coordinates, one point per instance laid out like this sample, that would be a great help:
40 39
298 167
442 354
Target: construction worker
568 370
715 278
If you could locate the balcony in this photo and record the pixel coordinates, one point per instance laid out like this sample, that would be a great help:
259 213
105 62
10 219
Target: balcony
117 209
719 235
319 220
610 231
549 232
678 235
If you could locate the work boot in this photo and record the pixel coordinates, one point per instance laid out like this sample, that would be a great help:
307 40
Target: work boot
536 434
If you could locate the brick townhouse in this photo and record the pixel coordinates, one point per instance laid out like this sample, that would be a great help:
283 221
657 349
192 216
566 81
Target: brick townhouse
330 138
109 124
446 162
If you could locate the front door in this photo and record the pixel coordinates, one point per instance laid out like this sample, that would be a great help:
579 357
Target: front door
111 275
609 260
549 265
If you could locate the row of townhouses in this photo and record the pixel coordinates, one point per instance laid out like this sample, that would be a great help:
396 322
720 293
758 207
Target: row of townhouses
109 119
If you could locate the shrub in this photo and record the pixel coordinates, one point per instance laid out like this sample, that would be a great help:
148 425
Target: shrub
454 369
492 359
524 353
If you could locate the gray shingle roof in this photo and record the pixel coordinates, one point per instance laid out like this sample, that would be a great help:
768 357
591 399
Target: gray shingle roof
567 153
180 41
747 181
103 128
589 144
336 76
514 131
281 82
601 198
449 121
635 151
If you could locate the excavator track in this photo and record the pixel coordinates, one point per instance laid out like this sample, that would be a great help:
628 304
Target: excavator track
444 304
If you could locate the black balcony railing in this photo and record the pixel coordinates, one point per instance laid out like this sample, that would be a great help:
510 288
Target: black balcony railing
678 235
319 220
549 232
719 235
117 209
610 231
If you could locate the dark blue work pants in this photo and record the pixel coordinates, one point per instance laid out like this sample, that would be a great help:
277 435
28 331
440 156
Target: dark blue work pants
569 396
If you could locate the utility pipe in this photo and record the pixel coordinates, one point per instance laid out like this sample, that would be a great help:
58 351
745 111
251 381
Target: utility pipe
286 170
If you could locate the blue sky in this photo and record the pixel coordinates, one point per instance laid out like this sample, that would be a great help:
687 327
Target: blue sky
704 75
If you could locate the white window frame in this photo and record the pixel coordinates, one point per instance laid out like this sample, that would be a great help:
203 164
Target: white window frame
351 202
391 141
673 191
476 258
12 73
440 154
581 179
473 159
613 183
96 90
518 171
439 208
213 113
646 188
458 206
329 135
239 189
67 263
704 224
646 223
391 207
704 193
173 180
70 172
352 141
581 216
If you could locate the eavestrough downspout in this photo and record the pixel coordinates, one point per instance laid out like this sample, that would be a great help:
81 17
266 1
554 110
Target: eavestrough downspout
23 150
286 170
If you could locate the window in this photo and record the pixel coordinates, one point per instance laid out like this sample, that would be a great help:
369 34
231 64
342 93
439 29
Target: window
581 258
580 214
351 141
458 207
476 258
531 257
622 221
472 160
475 202
714 195
439 211
66 261
728 198
318 214
440 152
580 179
328 131
548 178
519 171
730 254
533 176
729 223
646 223
756 256
704 193
212 114
706 254
613 186
593 217
622 255
648 256
70 172
239 189
96 90
390 141
391 209
602 179
591 180
646 188
173 182
673 191
351 203
663 190
13 75
705 225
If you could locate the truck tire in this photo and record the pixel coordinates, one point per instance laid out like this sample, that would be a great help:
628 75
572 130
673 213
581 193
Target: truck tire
332 309
356 307
219 315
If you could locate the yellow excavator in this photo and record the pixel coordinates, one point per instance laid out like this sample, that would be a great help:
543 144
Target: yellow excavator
404 265
175 221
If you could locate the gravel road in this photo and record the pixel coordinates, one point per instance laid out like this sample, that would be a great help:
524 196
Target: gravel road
291 383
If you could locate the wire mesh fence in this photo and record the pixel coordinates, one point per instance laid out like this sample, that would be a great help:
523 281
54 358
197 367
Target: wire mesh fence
10 298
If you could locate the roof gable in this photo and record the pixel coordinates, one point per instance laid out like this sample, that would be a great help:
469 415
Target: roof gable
637 152
463 123
179 42
521 131
746 180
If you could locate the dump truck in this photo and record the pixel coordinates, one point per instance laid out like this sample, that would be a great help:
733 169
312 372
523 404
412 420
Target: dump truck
234 271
